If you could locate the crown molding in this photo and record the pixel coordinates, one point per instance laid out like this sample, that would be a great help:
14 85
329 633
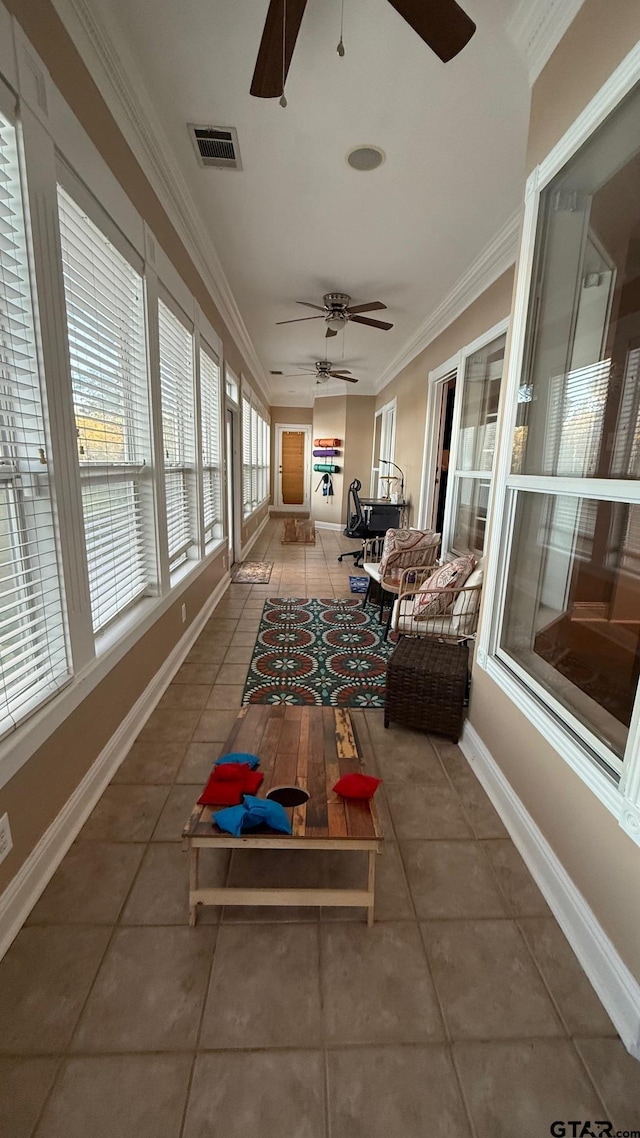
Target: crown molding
536 28
132 108
492 262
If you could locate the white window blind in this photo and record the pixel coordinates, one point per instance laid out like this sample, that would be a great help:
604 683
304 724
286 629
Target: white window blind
211 466
246 457
107 348
33 651
176 376
255 457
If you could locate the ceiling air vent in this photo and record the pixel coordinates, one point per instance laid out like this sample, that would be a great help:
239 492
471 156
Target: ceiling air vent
276 373
216 146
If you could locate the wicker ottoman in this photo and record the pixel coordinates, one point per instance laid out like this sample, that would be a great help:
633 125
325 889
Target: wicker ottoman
426 686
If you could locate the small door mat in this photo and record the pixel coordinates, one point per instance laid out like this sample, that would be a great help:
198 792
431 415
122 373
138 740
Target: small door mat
358 584
299 531
251 572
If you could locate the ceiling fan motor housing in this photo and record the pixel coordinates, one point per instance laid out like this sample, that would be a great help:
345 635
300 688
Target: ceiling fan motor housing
336 301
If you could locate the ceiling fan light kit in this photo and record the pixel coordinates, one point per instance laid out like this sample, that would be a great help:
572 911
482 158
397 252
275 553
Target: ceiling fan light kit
336 310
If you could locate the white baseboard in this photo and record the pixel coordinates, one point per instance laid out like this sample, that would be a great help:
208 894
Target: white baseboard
328 525
615 985
254 537
34 875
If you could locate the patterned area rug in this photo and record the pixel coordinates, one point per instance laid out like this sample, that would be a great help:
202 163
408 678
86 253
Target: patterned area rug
330 653
251 572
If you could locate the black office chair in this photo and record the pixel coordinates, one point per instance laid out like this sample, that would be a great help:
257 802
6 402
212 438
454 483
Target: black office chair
356 525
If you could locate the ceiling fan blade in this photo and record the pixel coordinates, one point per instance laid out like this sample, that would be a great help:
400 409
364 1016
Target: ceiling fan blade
267 79
299 319
329 332
340 371
373 306
346 378
297 374
319 307
371 323
442 24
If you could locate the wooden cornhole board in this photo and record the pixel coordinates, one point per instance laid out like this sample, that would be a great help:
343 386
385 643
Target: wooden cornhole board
298 531
309 747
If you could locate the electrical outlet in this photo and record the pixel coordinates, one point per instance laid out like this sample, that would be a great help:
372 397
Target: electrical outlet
6 841
184 614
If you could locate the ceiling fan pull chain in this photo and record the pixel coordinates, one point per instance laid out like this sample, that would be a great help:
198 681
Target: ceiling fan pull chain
283 97
340 47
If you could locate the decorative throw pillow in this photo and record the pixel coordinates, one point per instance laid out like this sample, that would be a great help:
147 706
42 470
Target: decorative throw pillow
453 574
467 603
357 786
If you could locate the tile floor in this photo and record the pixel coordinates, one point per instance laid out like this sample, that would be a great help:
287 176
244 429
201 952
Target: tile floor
463 1012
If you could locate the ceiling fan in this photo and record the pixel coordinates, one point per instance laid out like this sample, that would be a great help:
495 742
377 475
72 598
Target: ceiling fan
442 24
324 371
337 311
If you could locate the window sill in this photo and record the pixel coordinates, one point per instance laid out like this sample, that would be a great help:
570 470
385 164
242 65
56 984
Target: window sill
111 646
557 735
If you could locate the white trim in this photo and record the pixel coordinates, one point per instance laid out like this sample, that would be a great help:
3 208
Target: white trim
537 26
619 84
623 802
431 435
614 984
120 84
30 881
494 260
307 429
20 746
556 734
250 542
329 525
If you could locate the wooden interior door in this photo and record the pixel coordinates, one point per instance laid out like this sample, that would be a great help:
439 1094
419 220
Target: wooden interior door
292 468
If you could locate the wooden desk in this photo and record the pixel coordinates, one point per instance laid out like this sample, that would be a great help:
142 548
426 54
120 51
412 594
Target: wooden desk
309 747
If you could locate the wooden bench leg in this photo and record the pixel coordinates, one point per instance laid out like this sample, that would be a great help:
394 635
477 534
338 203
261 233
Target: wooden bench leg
371 886
194 854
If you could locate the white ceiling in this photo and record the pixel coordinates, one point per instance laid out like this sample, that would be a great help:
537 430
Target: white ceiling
297 221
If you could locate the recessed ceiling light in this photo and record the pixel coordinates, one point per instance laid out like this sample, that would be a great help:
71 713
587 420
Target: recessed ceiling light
366 157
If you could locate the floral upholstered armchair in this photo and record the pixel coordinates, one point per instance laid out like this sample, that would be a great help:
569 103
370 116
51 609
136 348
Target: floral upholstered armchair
402 550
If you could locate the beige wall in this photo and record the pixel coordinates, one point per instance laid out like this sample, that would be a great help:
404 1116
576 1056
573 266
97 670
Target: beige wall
36 794
410 385
285 415
603 32
329 420
600 858
358 437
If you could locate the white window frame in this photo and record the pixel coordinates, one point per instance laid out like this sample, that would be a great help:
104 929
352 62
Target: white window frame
568 737
462 360
388 415
209 538
256 446
50 134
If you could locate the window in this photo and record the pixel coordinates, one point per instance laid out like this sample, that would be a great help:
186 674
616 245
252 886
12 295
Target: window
211 461
176 382
32 637
471 468
107 349
383 482
255 457
569 623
